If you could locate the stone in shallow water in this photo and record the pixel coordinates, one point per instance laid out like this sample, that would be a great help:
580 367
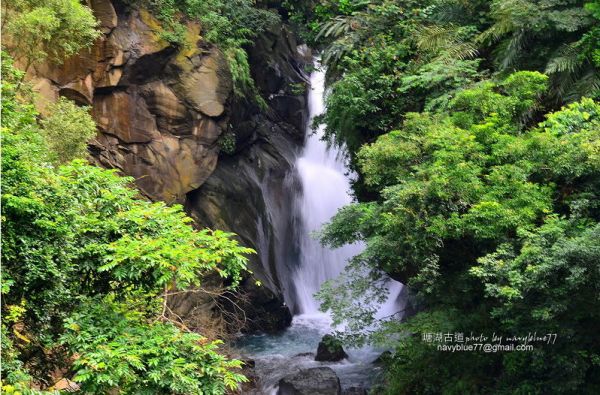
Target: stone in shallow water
330 349
354 391
313 381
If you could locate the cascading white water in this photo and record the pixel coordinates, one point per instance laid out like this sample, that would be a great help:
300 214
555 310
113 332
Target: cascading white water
325 185
325 189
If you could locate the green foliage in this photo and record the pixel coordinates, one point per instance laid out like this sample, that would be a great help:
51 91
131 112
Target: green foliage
416 367
387 58
67 129
493 225
228 24
49 30
308 16
227 143
223 23
416 66
117 348
438 80
548 35
243 83
80 247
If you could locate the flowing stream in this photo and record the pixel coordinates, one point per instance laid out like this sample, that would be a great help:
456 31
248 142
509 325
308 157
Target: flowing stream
325 188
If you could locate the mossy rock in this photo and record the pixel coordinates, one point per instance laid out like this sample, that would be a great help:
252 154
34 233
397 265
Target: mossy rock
330 349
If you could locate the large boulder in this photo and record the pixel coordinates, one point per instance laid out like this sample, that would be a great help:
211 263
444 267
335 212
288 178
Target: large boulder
207 86
105 12
126 116
252 190
158 121
330 349
313 381
354 391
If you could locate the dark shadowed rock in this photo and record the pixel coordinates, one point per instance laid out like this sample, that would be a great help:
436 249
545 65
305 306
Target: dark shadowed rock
354 391
250 363
314 381
252 189
330 349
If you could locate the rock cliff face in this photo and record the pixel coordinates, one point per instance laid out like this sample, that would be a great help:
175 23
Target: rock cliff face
161 111
251 191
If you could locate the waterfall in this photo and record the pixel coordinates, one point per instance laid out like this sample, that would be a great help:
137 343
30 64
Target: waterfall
325 188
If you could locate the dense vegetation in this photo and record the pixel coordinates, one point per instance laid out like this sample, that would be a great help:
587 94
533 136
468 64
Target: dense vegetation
475 132
229 24
46 31
87 263
473 127
387 58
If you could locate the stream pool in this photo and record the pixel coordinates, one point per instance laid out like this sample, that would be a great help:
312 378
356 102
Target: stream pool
278 355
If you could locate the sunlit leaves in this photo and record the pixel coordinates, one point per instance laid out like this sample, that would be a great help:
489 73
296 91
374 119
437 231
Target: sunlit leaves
67 129
51 30
85 259
115 349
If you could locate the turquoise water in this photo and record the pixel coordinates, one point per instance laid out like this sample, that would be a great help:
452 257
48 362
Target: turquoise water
278 355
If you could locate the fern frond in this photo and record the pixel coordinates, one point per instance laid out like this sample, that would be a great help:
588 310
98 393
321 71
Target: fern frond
445 43
448 11
460 51
574 87
512 49
509 16
338 27
433 38
566 59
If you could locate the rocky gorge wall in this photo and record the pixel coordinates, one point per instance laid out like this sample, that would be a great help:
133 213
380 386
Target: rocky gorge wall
163 112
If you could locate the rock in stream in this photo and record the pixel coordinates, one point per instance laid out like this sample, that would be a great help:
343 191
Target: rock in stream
313 381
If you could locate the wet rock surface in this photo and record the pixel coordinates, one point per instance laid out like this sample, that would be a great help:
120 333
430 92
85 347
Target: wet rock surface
313 381
159 111
354 391
251 191
330 349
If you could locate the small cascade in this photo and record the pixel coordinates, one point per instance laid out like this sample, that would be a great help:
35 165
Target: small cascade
325 189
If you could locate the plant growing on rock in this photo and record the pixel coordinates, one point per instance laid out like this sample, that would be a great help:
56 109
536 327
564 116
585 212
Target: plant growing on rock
36 31
67 129
87 268
230 25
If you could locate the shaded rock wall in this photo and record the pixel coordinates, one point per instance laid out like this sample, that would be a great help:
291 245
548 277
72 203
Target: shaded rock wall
161 111
251 191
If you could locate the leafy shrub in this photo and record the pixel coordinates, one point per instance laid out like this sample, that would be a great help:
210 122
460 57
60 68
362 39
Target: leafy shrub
117 348
88 266
494 227
48 30
67 129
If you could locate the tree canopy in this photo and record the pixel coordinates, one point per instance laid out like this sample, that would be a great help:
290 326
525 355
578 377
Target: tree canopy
51 30
474 129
